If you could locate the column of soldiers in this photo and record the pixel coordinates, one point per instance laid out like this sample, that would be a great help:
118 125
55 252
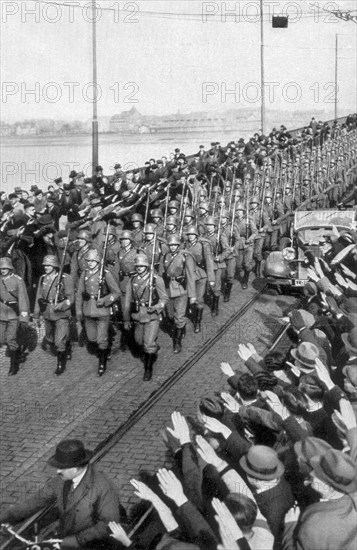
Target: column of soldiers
149 249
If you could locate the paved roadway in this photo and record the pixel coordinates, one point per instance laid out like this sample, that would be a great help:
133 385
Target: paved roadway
39 409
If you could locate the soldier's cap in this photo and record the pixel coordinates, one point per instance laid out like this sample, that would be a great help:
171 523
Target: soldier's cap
142 260
126 235
6 263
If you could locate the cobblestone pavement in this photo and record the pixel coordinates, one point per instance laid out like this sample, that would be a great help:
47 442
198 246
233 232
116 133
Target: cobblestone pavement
39 409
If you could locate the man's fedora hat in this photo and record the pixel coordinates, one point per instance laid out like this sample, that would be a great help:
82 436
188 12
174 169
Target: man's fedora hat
337 470
70 453
306 353
262 462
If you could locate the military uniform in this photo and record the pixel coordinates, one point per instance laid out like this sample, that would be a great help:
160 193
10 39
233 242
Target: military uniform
56 316
244 246
262 224
179 278
96 315
14 308
78 263
145 313
204 271
231 259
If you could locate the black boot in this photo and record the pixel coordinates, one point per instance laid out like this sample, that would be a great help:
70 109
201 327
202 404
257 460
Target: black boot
178 340
198 320
103 357
124 341
14 362
61 362
257 269
245 279
215 309
227 292
68 351
149 360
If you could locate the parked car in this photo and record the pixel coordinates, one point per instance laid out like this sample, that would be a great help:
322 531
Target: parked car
288 267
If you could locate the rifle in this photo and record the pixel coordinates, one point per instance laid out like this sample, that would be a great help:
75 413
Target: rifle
102 264
233 220
60 273
183 214
262 200
182 198
147 207
151 279
167 204
232 187
219 231
247 214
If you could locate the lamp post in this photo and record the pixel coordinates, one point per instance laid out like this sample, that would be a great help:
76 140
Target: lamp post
262 107
336 74
95 98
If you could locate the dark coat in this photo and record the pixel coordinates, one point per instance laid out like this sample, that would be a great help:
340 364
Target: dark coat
89 508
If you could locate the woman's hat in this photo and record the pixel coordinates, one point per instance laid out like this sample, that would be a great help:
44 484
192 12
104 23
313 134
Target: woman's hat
70 453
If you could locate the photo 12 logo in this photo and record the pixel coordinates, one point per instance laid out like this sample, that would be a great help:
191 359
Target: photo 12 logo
68 11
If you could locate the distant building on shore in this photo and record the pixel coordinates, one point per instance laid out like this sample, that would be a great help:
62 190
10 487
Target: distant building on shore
133 122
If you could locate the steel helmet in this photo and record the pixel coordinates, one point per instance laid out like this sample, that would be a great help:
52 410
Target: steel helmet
85 235
137 218
204 206
157 213
126 235
268 195
171 220
150 228
141 259
211 220
192 230
174 239
174 204
254 200
6 263
93 255
189 213
51 260
225 213
112 231
240 206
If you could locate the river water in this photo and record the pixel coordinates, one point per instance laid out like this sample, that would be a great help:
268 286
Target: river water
39 160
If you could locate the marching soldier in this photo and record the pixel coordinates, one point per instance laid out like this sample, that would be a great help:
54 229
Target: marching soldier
112 253
137 222
147 247
14 309
203 210
78 262
201 251
232 235
244 244
172 223
127 255
145 299
54 299
188 222
157 219
262 224
179 278
220 250
96 294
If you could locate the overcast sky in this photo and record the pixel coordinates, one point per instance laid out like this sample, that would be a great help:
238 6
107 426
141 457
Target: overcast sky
177 61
